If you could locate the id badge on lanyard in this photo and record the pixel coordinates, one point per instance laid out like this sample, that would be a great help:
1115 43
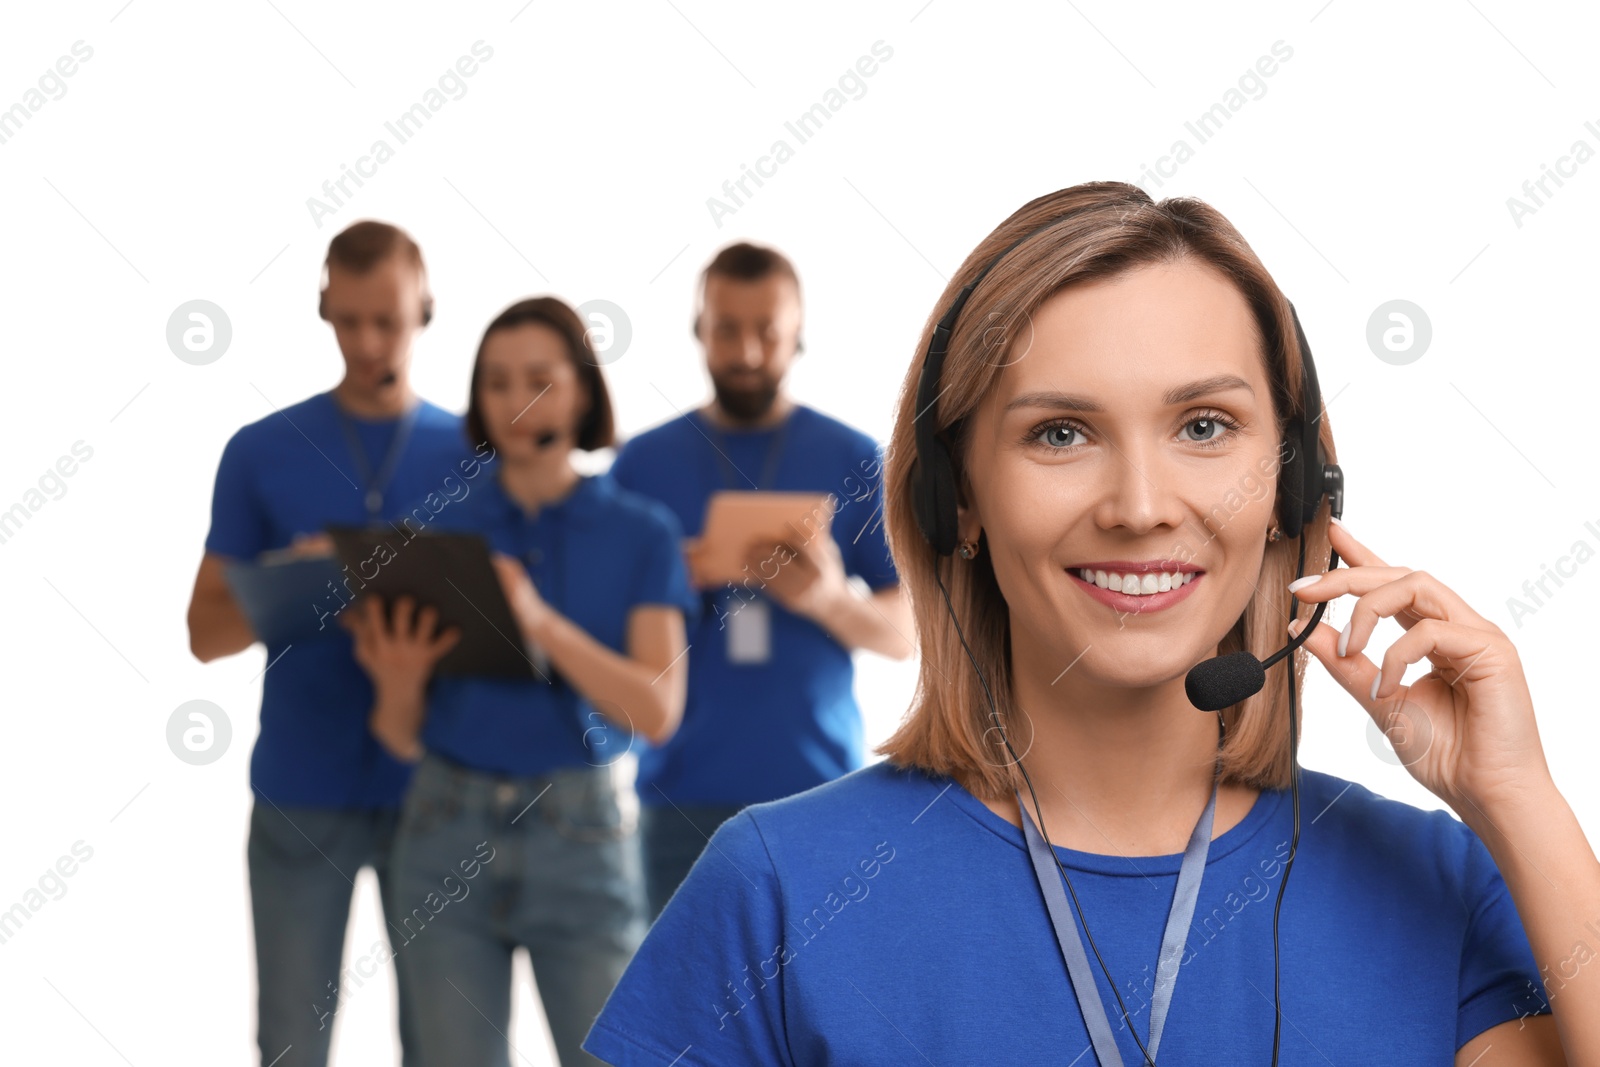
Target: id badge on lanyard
749 626
749 622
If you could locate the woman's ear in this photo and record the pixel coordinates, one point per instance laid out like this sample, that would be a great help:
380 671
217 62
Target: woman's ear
969 523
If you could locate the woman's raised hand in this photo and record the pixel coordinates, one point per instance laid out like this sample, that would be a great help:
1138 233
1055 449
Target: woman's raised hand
1466 729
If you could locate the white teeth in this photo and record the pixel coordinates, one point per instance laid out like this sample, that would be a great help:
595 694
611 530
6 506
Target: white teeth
1138 584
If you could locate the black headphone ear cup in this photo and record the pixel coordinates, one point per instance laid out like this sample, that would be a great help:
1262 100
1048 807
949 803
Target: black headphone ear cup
935 495
1306 477
1313 483
1301 481
1292 481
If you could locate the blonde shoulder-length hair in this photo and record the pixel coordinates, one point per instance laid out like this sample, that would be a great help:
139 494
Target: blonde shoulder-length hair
1105 229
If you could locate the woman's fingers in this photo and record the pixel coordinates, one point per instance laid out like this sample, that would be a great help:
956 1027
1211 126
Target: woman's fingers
1353 552
435 641
427 619
361 620
509 569
402 617
445 642
1405 726
1355 674
1449 647
1409 599
404 635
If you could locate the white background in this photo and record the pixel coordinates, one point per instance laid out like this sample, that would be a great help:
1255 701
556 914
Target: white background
1376 165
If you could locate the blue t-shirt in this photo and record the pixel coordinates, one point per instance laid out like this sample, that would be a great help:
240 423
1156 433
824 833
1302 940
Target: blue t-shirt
290 473
593 556
756 732
890 917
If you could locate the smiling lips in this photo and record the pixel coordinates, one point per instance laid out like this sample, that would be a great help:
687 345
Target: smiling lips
1130 586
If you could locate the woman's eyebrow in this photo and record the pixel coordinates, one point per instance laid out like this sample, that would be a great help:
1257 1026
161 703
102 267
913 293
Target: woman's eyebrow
1178 394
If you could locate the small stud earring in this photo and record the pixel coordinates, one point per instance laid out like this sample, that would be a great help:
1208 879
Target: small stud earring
969 550
1275 534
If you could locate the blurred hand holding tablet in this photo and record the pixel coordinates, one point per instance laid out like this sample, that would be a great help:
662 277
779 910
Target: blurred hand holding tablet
453 573
736 521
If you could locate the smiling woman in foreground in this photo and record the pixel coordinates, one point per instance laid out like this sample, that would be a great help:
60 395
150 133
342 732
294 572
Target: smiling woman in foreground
1116 402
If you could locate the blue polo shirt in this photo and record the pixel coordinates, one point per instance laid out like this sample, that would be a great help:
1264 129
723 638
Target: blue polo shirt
593 556
293 472
755 732
890 917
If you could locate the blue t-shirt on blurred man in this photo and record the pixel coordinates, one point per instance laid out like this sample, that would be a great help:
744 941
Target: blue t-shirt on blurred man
293 472
758 731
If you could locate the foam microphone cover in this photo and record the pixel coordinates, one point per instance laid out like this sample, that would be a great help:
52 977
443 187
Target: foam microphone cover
1224 681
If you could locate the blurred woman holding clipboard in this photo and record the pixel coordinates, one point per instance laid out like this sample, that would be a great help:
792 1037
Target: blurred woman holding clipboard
516 829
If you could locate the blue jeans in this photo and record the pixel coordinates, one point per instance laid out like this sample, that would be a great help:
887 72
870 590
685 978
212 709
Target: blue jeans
673 839
303 864
484 863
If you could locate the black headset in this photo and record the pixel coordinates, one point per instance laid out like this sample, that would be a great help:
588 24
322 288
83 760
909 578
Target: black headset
1301 488
322 297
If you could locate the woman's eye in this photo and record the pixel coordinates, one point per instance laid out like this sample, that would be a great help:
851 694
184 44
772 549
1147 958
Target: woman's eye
1209 431
1212 430
1058 436
1055 437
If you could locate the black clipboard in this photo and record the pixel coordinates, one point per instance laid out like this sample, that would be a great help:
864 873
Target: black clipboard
453 573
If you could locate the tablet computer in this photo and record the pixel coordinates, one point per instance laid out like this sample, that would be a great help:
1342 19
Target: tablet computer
736 520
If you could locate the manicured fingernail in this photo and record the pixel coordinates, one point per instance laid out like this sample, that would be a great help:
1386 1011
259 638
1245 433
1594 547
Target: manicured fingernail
1300 583
1377 680
1337 523
1344 639
1295 626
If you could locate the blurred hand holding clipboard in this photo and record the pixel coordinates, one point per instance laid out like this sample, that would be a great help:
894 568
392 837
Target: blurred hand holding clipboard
287 597
453 573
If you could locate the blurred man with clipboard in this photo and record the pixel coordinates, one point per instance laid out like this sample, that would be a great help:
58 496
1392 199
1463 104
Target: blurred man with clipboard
326 796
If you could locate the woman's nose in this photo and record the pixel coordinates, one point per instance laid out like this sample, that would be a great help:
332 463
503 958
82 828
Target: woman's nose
1141 490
